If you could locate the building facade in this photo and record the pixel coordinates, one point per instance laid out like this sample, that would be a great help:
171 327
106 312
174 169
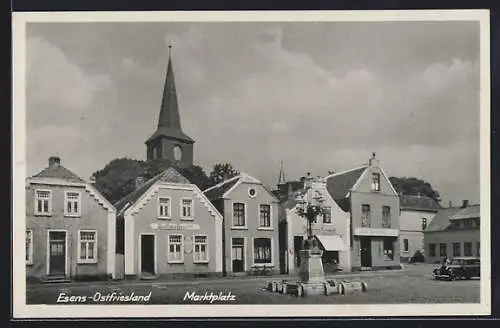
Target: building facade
417 212
331 230
70 227
250 234
169 228
368 195
453 232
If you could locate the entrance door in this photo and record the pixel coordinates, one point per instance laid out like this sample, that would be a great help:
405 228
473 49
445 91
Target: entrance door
238 254
366 252
148 254
297 246
57 253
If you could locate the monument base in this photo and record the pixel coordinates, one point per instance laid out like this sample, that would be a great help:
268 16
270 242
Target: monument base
312 276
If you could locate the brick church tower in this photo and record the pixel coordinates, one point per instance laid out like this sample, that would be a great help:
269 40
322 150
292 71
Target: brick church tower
169 142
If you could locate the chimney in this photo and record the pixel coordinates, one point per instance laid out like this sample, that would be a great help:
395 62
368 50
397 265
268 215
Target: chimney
330 172
54 161
465 203
373 162
450 204
139 181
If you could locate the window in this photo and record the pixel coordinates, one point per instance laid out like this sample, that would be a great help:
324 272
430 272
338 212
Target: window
456 249
468 223
478 249
365 215
187 208
424 223
388 249
29 247
88 246
163 207
252 192
72 201
43 202
455 224
175 249
327 215
238 215
442 250
477 223
262 250
467 249
386 217
200 249
432 249
177 153
375 182
405 245
265 216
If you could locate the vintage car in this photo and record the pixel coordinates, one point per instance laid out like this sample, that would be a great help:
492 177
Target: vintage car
458 268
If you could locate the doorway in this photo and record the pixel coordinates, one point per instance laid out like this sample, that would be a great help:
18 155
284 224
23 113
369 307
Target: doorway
366 252
238 254
148 254
298 242
57 253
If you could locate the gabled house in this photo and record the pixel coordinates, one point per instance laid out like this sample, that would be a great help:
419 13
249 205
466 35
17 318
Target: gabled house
250 230
417 212
332 231
454 231
367 194
70 227
167 227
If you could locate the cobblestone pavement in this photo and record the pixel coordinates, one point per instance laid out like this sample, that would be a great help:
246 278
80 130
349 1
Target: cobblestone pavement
413 285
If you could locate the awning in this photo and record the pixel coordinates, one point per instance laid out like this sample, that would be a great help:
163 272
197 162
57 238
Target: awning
332 243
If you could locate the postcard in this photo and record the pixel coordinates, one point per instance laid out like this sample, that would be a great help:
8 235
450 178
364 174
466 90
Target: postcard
236 164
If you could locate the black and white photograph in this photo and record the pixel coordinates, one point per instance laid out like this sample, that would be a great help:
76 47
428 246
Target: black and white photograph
185 164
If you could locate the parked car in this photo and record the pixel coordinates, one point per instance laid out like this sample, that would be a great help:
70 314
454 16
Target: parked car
458 268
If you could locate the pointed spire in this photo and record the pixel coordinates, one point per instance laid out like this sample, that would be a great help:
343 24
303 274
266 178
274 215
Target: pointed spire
281 179
169 112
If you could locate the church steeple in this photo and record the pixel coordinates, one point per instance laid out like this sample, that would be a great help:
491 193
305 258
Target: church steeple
169 111
281 178
169 142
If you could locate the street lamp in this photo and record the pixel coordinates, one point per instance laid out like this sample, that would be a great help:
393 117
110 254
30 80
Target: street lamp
310 206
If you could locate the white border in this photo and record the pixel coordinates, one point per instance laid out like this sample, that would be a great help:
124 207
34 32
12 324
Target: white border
21 310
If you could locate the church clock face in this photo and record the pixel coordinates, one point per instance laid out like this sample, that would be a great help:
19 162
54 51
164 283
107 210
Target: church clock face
177 153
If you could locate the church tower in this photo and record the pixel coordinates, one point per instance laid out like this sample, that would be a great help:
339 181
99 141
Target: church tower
169 142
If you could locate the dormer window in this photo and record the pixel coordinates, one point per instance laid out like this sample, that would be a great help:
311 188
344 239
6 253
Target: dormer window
375 182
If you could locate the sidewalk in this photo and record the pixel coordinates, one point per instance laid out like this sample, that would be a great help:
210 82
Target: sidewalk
168 282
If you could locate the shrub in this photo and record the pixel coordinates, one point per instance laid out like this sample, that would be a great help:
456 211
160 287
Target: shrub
418 257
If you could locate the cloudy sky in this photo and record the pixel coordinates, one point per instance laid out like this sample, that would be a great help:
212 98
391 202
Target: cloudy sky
318 96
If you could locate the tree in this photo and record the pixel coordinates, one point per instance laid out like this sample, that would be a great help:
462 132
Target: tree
117 178
414 186
221 172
